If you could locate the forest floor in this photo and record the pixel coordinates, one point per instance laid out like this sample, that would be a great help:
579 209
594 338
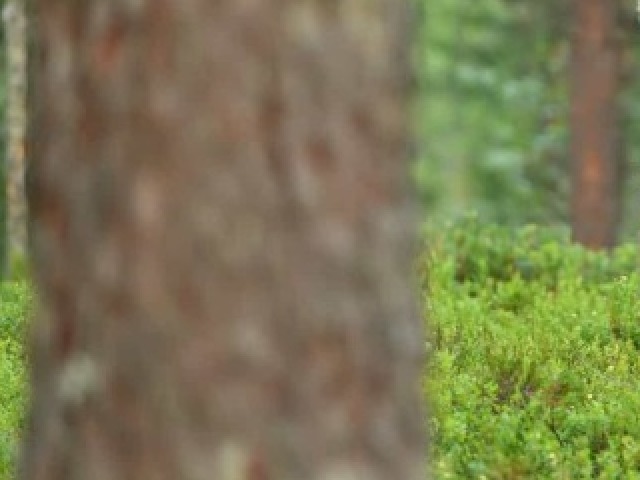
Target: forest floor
533 368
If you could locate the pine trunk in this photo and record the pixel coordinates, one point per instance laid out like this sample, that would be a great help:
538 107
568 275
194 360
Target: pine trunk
222 243
596 150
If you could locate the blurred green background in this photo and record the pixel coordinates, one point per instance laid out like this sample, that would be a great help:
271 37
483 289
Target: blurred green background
492 110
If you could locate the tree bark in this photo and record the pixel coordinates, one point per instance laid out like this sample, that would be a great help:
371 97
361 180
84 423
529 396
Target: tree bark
15 23
596 150
222 243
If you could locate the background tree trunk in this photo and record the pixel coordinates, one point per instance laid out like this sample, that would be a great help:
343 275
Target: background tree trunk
222 243
596 147
16 37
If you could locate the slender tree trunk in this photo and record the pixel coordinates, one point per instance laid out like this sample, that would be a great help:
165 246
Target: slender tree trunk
221 234
16 37
596 148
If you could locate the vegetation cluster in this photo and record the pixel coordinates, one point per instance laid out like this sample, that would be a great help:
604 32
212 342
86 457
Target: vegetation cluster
15 303
534 364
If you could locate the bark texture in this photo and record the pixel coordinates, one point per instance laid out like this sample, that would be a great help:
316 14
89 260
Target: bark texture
596 150
222 243
15 23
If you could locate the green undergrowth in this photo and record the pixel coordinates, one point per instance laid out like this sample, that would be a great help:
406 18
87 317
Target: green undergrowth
534 356
14 306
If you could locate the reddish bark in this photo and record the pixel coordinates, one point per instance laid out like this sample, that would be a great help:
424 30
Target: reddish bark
222 243
596 150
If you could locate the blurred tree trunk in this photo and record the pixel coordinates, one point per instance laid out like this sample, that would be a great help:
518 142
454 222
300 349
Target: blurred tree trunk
16 37
596 149
222 243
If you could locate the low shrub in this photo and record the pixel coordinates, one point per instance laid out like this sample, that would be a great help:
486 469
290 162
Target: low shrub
534 362
14 307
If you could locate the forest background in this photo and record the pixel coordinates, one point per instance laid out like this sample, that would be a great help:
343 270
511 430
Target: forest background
492 113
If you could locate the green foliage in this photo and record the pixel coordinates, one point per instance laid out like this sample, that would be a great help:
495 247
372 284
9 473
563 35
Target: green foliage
18 267
492 109
15 302
534 364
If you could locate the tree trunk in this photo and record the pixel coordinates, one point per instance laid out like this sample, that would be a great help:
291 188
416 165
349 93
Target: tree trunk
16 37
596 148
222 243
